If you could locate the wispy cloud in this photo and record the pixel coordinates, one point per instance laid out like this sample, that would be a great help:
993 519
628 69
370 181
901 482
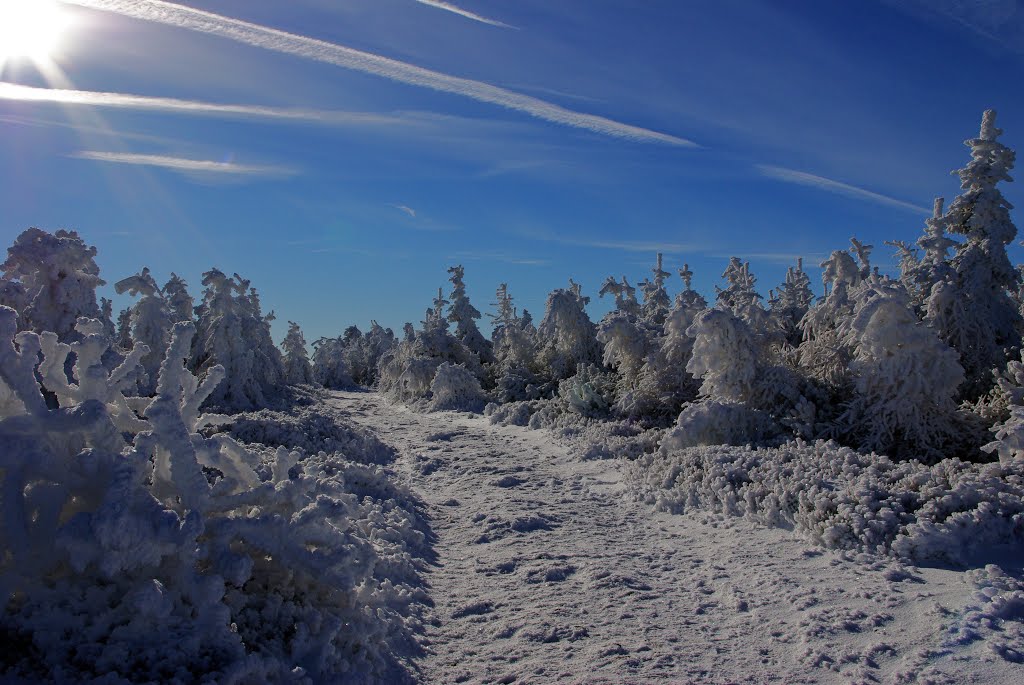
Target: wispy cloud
996 21
13 91
811 259
448 7
408 210
186 165
805 179
349 58
498 256
650 246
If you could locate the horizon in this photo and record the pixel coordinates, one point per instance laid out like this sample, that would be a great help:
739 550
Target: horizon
353 160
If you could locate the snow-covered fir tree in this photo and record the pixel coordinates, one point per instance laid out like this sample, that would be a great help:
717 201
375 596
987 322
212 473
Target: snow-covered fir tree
297 369
179 300
656 300
567 335
52 280
151 322
232 332
976 313
790 302
464 316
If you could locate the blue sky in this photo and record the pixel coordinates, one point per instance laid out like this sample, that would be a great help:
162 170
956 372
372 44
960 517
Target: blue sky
532 141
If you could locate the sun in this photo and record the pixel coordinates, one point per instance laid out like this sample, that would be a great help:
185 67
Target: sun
30 29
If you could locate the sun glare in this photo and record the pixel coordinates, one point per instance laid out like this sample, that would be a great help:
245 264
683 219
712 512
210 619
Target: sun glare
30 29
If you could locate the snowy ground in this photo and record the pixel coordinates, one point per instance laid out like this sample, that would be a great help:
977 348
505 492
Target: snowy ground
547 572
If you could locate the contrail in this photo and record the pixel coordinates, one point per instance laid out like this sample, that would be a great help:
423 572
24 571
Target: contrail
302 46
184 164
13 91
448 7
805 179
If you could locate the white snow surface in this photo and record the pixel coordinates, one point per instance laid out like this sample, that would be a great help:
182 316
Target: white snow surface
546 571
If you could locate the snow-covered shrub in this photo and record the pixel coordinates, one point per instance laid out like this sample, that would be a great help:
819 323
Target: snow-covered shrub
905 378
151 321
456 389
234 333
51 278
976 315
311 430
1009 432
719 423
147 552
843 499
588 392
297 369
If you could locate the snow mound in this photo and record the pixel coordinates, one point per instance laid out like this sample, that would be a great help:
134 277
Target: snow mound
312 431
454 388
996 614
842 499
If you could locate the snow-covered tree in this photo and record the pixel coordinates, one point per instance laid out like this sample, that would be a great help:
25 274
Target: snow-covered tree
297 369
790 302
56 276
178 298
823 354
905 378
233 333
464 316
740 296
568 336
976 314
624 294
656 299
151 322
330 368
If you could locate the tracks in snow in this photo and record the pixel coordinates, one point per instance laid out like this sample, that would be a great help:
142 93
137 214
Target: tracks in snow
546 573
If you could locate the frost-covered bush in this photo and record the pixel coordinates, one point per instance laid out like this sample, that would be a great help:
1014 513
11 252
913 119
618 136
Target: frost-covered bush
905 378
297 369
151 321
311 430
51 280
1009 432
720 423
843 499
456 389
233 332
135 549
587 393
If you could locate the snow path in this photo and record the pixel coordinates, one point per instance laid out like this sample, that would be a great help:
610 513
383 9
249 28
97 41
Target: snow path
546 573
